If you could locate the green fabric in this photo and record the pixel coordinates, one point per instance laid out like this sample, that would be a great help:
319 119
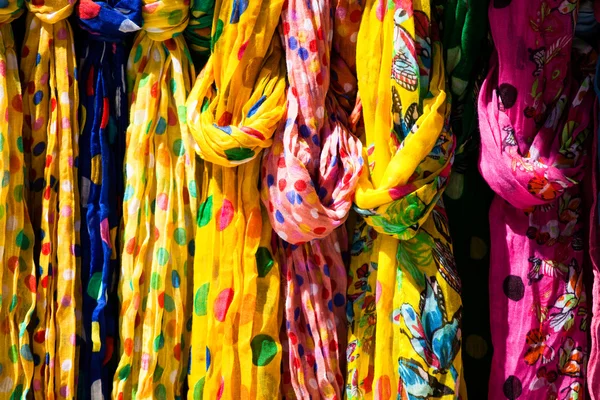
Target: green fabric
197 33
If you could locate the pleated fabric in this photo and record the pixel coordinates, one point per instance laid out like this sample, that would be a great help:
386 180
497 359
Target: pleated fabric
404 304
308 182
159 211
233 110
18 273
51 131
104 119
535 118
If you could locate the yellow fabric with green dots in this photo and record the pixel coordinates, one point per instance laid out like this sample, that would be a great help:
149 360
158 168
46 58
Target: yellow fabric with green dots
233 110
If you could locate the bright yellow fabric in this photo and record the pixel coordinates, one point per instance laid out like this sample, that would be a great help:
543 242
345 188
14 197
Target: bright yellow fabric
159 211
17 274
233 110
50 102
402 251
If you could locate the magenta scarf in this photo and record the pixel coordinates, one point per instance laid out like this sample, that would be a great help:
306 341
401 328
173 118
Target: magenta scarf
535 121
309 177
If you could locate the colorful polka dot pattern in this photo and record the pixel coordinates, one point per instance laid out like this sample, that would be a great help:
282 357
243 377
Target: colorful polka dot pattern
104 112
308 182
18 274
51 133
159 211
236 104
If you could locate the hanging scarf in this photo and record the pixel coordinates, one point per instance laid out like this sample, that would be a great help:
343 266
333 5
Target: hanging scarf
534 113
17 274
233 110
159 210
50 103
197 33
308 182
404 293
101 150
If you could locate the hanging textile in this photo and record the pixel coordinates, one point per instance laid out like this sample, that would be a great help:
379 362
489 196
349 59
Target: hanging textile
50 103
467 197
104 119
159 210
405 306
535 110
308 182
197 32
233 110
17 274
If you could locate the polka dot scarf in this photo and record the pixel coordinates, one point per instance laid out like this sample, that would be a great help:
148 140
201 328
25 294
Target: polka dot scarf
308 182
233 110
104 120
535 118
403 291
159 210
51 131
17 275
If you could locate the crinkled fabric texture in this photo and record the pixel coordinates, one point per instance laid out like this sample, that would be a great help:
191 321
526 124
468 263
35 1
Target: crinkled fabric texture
18 273
233 110
50 134
535 110
159 211
104 119
404 292
308 182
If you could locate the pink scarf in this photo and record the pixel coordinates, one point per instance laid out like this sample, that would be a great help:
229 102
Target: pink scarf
309 177
534 114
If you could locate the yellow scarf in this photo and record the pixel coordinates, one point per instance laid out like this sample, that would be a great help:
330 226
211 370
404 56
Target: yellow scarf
17 274
233 110
159 211
404 291
50 103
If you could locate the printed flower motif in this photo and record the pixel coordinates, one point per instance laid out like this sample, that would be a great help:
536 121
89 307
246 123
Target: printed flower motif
567 304
432 336
573 392
415 383
536 339
570 359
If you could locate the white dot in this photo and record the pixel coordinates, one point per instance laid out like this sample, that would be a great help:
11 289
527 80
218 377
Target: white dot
282 235
308 25
139 116
314 288
347 87
11 62
134 206
66 365
11 223
96 390
330 324
156 55
173 376
64 98
298 217
313 383
320 112
67 186
353 37
314 213
68 275
150 160
336 246
6 385
330 376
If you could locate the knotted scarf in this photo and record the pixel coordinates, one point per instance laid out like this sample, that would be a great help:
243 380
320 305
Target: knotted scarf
17 274
51 132
233 110
404 293
535 112
197 33
104 119
159 210
308 182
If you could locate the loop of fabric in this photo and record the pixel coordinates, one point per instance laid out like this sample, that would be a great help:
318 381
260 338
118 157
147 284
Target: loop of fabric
18 271
165 19
535 112
197 33
159 213
110 21
11 11
51 11
50 134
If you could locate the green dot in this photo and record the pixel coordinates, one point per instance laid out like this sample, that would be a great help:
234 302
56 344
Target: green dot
94 288
138 53
159 342
26 352
205 212
205 104
13 354
192 188
201 300
22 241
158 371
163 256
155 281
17 394
180 236
264 350
175 17
173 85
20 143
1 141
239 154
128 193
13 303
124 372
18 193
182 114
178 147
264 261
199 389
217 35
1 211
144 79
5 179
169 303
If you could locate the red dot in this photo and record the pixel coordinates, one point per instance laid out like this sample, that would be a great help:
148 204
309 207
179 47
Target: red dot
282 184
300 185
319 230
313 46
31 283
25 52
172 117
281 162
319 78
130 247
46 248
154 90
161 300
40 336
31 87
355 16
177 351
17 103
13 263
286 28
45 281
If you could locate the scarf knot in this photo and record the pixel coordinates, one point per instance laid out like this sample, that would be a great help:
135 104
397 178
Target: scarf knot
11 11
109 21
51 12
165 19
197 33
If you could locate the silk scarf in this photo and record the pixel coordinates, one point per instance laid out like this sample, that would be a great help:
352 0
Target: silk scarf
233 110
535 111
159 210
308 182
50 103
18 273
104 119
404 292
197 32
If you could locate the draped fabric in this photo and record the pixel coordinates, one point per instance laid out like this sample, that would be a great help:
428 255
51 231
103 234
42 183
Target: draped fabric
308 182
104 119
18 274
405 306
51 132
535 110
233 110
159 211
197 32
